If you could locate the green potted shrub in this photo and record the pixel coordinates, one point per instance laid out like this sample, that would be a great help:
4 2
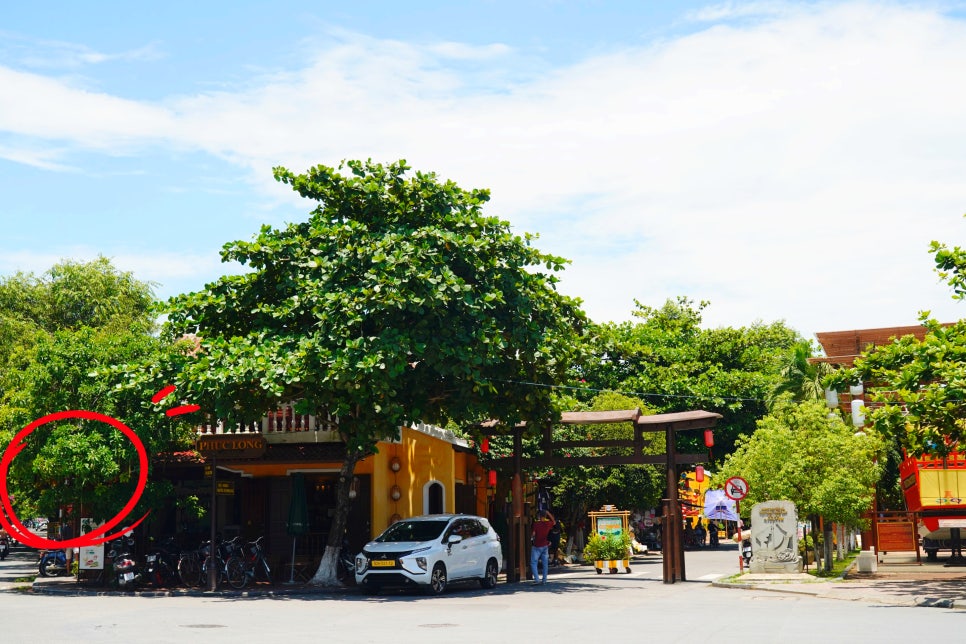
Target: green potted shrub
609 551
806 548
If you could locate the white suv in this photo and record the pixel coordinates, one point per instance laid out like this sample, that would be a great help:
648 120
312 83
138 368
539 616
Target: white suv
430 551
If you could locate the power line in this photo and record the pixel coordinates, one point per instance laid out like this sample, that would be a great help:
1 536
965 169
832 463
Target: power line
626 393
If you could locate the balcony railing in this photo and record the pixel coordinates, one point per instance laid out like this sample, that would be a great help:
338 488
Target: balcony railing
284 421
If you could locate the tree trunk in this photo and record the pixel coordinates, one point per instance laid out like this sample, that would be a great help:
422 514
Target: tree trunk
818 553
827 546
327 574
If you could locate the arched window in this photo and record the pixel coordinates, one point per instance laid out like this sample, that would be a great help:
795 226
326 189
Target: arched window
434 498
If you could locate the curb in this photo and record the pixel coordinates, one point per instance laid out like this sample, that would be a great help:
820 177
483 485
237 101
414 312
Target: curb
72 589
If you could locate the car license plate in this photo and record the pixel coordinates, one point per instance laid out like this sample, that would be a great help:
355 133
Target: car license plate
383 563
129 576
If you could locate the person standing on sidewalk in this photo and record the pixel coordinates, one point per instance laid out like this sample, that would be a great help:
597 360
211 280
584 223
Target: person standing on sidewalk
541 544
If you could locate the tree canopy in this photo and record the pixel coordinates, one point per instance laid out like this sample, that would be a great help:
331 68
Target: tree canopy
396 300
667 359
802 454
66 333
918 386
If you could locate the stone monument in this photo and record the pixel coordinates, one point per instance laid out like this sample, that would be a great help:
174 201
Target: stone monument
774 538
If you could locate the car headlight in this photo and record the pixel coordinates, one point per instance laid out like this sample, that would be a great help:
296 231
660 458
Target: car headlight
421 562
360 563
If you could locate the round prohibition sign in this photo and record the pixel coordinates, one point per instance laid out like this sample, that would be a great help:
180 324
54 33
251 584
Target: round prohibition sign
736 488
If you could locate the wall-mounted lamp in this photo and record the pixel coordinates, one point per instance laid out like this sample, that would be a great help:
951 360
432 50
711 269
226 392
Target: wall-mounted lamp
477 476
395 517
394 464
395 493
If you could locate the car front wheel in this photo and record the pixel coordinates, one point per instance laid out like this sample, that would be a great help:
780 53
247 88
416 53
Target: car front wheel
492 572
489 577
437 580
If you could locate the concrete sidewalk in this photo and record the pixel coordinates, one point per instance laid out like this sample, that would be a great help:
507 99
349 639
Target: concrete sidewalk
899 580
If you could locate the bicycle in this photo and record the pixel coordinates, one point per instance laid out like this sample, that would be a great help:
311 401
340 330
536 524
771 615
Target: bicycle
247 563
189 568
220 557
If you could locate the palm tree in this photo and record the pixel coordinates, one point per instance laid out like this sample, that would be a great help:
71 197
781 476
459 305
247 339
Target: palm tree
801 379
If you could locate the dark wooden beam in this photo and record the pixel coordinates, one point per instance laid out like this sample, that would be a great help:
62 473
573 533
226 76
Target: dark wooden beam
572 461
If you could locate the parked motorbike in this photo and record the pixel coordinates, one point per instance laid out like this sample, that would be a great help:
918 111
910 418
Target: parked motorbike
121 554
161 564
4 547
53 563
746 551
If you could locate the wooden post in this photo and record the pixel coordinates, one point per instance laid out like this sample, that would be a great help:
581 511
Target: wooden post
672 546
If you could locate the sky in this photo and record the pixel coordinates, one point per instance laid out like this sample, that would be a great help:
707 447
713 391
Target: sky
783 161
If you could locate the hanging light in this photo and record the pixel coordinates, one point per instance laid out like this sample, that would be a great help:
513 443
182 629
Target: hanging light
858 413
485 446
699 474
831 398
395 493
492 478
394 464
709 438
354 487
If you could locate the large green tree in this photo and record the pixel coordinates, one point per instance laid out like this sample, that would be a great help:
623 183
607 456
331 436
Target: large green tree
920 385
669 360
64 335
396 300
802 454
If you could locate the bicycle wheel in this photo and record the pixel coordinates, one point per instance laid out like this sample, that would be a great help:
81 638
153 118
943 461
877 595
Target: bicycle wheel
262 566
219 567
235 572
189 571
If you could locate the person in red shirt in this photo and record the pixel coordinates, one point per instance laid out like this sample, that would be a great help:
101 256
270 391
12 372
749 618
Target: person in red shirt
541 544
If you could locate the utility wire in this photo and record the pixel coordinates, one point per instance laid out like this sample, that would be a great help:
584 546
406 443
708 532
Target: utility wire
626 393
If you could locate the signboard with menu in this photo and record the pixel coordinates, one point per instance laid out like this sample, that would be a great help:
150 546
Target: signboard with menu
90 557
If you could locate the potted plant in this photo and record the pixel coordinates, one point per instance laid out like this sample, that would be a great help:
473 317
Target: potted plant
609 551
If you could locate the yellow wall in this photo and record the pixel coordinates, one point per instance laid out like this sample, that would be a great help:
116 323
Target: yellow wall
423 458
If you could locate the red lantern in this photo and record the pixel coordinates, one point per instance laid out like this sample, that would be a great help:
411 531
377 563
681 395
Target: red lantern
485 446
492 479
699 474
708 438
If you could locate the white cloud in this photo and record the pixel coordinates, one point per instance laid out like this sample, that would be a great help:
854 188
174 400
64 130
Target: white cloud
795 166
60 55
50 109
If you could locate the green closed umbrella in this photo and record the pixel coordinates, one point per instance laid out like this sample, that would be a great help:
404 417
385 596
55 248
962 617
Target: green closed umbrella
298 515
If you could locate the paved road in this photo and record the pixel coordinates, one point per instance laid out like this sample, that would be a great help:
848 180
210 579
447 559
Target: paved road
577 605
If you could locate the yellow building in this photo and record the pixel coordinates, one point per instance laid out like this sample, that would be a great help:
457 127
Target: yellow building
426 470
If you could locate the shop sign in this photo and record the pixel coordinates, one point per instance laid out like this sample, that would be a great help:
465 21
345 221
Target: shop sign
225 488
231 446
